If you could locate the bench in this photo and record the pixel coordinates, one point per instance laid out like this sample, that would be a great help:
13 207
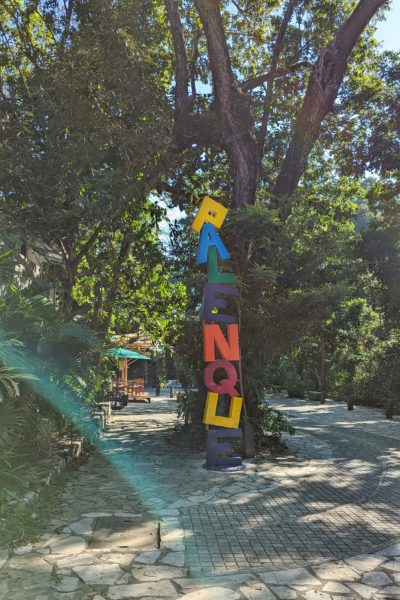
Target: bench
136 391
117 399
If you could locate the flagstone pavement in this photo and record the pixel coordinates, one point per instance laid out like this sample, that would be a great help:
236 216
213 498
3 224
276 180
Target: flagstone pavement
144 519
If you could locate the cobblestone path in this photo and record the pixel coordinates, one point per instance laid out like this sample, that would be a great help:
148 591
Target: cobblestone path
144 519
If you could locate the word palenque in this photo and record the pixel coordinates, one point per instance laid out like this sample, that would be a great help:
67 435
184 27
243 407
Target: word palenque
217 290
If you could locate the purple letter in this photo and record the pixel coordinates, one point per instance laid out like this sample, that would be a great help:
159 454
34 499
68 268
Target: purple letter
218 454
210 302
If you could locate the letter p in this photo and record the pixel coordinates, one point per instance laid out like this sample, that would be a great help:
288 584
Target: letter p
211 212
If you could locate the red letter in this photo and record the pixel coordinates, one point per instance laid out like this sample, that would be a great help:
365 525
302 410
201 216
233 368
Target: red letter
225 386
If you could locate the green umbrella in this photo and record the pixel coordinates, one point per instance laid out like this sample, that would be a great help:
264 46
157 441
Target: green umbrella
125 353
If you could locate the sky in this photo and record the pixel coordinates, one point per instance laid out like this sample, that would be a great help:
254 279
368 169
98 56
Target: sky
388 31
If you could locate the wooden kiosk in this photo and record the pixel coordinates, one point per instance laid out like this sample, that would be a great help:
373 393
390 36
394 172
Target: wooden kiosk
134 388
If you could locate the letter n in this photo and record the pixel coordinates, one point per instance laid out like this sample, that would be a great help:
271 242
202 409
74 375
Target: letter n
213 337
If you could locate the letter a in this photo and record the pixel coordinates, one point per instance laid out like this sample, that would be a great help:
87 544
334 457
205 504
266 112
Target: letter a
209 236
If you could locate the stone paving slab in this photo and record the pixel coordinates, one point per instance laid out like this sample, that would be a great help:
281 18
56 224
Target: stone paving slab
321 521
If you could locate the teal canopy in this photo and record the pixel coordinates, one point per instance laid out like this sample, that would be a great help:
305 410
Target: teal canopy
125 353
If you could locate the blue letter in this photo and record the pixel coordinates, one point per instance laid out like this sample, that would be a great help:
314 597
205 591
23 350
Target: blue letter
209 237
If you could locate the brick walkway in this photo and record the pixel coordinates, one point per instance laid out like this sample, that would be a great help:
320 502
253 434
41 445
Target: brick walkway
339 496
144 519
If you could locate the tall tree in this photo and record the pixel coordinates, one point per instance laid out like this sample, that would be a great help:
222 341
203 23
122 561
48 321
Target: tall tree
237 119
83 118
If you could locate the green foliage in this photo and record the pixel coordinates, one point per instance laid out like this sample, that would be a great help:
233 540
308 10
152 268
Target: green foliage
86 130
7 266
85 122
21 524
11 423
307 260
34 338
295 386
306 293
269 425
187 401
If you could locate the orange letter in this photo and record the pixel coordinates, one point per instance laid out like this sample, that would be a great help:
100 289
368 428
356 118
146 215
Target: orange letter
213 337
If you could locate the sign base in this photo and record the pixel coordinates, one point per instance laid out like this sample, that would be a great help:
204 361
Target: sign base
228 468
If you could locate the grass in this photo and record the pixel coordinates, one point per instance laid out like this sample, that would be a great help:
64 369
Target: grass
21 524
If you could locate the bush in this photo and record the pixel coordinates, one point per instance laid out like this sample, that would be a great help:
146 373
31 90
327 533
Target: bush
185 405
295 386
268 428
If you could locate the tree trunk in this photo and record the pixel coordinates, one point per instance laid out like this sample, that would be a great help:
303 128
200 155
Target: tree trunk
323 87
232 108
243 154
322 372
229 124
66 300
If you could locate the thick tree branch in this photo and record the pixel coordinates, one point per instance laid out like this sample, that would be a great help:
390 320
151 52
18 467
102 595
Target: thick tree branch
89 243
239 9
232 106
195 57
323 87
258 80
221 69
190 129
269 86
181 63
196 129
68 16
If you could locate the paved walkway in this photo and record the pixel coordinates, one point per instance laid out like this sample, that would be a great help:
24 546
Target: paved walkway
144 519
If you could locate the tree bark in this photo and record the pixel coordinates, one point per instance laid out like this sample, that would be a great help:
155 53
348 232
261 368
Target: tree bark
259 80
232 107
323 87
229 123
269 87
322 376
181 65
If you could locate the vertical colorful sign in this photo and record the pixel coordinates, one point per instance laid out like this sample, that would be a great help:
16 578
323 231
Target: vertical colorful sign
220 340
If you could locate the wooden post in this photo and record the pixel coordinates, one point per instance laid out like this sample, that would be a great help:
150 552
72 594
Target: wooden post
322 378
124 371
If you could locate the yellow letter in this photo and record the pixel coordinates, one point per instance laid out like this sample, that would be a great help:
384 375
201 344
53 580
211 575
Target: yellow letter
232 421
210 211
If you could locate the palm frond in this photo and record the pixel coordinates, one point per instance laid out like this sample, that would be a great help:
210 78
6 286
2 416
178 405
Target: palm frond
9 379
7 266
11 422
